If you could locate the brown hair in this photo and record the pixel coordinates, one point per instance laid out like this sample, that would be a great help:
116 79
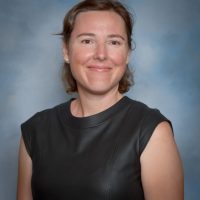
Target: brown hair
68 25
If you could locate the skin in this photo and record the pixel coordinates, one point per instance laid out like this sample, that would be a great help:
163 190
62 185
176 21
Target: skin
161 166
98 53
24 174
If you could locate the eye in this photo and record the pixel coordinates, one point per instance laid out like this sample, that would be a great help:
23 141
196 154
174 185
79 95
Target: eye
115 42
86 41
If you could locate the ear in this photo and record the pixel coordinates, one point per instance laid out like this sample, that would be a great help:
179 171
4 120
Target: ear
65 53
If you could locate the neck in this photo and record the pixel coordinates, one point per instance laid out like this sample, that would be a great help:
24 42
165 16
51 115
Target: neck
88 104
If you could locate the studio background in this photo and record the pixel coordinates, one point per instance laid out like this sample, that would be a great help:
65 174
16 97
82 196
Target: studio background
166 66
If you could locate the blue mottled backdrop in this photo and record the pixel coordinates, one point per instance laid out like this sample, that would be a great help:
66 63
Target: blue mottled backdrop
166 66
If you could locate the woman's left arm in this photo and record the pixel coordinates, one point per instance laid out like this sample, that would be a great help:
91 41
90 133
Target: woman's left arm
161 166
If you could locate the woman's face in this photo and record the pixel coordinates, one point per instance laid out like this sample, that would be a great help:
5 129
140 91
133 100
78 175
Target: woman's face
98 51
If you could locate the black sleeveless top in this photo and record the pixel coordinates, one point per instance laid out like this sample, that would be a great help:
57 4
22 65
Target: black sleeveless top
93 158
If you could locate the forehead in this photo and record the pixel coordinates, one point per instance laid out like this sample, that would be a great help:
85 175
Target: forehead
100 20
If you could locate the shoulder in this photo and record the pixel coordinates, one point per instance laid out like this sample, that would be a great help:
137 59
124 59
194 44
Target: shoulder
43 115
148 115
148 119
140 106
37 126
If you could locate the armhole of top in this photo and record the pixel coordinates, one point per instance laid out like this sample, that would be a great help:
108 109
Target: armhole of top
26 135
148 125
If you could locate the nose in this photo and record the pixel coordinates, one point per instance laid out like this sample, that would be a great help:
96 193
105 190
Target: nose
100 51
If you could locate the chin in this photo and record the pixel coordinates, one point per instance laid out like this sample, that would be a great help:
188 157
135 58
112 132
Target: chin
100 90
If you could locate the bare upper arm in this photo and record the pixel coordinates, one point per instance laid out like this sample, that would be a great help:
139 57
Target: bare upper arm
161 166
24 174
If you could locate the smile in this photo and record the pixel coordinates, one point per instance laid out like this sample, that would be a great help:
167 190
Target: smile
99 68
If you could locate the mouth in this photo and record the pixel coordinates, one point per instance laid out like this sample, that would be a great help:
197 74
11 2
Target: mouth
99 68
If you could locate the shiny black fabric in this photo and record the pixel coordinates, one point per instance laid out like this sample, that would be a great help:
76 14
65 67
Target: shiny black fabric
93 158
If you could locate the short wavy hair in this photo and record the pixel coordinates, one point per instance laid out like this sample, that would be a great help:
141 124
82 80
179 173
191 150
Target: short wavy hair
68 25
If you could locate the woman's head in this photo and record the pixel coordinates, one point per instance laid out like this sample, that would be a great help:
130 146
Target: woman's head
68 27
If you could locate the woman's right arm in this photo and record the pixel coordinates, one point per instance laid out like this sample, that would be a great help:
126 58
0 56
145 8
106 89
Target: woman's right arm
24 174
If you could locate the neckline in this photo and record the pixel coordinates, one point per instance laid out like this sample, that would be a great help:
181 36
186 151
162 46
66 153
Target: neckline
92 120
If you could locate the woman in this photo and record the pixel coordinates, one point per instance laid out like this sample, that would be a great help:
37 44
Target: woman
101 145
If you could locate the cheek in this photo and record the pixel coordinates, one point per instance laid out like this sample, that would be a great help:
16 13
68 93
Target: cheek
120 60
80 57
119 57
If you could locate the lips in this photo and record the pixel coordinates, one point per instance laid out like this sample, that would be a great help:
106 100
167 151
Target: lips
99 68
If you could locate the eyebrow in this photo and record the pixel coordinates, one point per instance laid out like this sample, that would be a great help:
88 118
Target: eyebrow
93 35
86 34
116 36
